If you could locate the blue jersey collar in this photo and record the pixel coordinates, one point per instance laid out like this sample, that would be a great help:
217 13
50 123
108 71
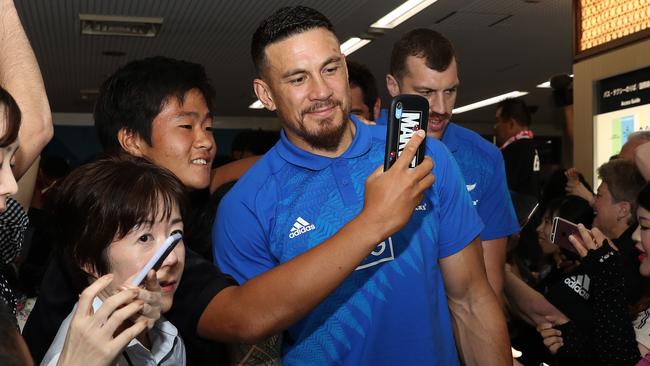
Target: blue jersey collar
450 138
360 145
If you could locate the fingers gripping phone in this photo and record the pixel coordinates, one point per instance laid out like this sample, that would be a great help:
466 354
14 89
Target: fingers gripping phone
408 113
157 258
561 231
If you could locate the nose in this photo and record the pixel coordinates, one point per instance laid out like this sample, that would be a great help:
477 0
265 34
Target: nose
437 103
636 236
203 139
172 258
8 185
320 89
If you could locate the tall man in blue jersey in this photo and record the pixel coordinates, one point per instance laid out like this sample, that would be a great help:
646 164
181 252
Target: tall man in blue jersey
394 309
423 62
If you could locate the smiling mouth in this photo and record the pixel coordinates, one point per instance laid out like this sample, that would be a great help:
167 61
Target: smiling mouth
200 161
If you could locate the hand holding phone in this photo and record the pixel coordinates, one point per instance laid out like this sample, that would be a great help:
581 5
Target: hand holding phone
157 258
561 231
408 113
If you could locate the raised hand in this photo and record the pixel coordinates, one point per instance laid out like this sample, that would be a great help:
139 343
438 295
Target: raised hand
391 196
92 338
588 240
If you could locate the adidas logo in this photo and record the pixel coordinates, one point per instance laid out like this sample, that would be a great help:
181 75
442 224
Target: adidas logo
422 207
579 284
301 226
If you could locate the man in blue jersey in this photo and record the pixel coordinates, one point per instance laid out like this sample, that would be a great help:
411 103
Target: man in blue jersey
419 287
423 62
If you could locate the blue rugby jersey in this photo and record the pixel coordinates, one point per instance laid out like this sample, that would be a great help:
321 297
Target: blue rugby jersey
484 171
392 309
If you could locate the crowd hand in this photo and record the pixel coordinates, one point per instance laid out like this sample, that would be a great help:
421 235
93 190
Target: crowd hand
575 187
391 196
92 338
151 294
552 337
588 240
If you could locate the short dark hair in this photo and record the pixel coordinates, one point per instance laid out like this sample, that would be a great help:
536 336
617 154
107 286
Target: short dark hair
12 117
515 109
624 181
359 75
136 93
285 22
102 201
436 49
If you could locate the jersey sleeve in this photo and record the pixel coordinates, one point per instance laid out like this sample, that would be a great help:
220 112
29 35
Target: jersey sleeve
239 241
495 208
459 223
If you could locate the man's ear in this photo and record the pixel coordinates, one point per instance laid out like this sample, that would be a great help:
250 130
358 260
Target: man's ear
392 85
624 210
264 94
130 142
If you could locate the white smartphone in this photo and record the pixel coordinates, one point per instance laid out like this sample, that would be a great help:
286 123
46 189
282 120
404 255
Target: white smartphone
157 258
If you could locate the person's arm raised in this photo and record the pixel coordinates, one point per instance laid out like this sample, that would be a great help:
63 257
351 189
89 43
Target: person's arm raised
21 77
271 302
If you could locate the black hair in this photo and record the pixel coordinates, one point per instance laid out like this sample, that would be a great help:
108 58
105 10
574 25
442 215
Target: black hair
12 117
285 22
103 201
359 75
136 93
435 48
515 109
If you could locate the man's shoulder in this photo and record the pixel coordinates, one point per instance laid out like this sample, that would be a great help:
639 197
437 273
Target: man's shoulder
470 139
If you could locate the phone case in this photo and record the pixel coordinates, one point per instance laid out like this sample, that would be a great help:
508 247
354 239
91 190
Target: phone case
408 113
157 258
561 231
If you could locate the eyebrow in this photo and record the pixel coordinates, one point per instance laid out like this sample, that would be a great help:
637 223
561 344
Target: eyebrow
300 71
177 220
192 115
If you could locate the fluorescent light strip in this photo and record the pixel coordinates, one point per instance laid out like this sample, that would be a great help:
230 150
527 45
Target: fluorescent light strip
489 101
401 13
256 105
547 84
353 44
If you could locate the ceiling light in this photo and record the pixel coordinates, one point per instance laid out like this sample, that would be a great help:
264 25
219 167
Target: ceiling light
489 101
353 44
256 105
401 13
109 25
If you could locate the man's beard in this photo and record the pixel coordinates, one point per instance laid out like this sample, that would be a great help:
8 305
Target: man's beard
328 136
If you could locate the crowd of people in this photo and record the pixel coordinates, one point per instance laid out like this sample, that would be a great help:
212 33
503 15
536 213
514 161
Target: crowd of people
301 249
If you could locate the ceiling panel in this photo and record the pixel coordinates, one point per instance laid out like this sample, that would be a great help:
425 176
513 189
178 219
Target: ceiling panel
517 53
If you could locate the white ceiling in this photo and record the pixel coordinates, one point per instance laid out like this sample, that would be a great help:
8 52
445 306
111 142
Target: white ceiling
531 42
